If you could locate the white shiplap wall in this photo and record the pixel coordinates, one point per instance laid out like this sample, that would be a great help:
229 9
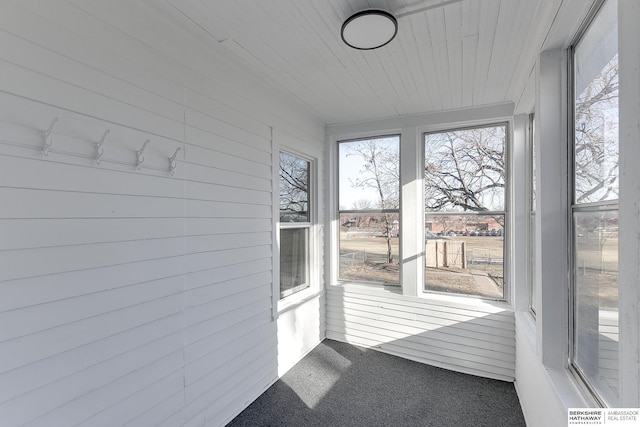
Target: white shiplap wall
132 297
475 338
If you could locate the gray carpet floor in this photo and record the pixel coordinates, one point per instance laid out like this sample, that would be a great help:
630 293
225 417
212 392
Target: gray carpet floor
338 384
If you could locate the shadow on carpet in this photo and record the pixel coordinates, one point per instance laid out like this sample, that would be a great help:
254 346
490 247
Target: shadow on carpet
339 384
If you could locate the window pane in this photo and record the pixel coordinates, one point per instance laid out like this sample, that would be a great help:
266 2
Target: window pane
293 260
465 254
532 162
465 170
532 215
294 189
596 110
369 176
369 248
596 299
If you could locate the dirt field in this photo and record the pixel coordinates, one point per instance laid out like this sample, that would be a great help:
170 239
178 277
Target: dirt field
364 259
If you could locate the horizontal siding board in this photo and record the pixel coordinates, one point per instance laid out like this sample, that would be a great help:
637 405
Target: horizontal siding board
477 306
209 293
247 295
217 127
259 378
200 373
473 338
200 380
197 334
223 193
154 397
213 209
215 333
207 277
37 375
39 317
70 395
461 335
474 309
17 234
33 57
26 203
431 319
57 27
219 160
209 175
44 289
141 372
455 315
436 354
207 226
34 85
213 259
213 108
472 350
216 242
421 356
169 410
209 144
17 172
71 258
470 329
32 348
221 382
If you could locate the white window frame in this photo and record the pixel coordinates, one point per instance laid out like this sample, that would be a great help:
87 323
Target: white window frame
337 211
311 289
508 123
576 208
411 131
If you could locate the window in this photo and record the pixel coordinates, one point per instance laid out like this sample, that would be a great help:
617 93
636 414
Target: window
532 214
369 184
295 223
594 208
464 171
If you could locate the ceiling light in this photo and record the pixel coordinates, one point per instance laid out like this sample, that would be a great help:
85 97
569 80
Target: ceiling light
369 29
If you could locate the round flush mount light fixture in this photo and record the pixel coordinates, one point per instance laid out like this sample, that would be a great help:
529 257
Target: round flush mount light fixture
369 29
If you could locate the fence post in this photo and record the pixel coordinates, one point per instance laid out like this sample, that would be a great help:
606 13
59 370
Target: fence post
463 253
445 261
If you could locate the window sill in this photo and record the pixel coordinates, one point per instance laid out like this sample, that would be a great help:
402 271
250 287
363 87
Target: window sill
394 289
464 300
563 383
295 300
445 300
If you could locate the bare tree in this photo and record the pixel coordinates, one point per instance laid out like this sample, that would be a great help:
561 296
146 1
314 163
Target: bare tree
465 170
596 138
380 172
294 188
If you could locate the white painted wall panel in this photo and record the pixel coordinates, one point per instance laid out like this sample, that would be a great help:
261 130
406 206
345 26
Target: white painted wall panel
477 338
135 296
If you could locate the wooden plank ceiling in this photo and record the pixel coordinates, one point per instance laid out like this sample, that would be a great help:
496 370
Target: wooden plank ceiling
459 54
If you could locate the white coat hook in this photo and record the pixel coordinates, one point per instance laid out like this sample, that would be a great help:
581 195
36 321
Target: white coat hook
139 158
99 149
172 161
48 139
